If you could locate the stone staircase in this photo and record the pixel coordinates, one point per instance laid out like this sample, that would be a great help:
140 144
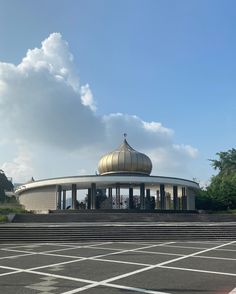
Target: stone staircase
116 232
95 216
117 226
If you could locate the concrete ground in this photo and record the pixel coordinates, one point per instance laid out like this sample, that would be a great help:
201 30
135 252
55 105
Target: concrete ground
118 268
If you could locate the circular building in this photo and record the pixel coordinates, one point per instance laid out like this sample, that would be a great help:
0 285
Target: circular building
123 182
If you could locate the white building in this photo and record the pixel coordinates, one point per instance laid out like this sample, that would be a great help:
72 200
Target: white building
123 174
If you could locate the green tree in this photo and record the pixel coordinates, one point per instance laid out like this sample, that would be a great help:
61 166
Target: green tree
223 190
226 164
5 185
221 193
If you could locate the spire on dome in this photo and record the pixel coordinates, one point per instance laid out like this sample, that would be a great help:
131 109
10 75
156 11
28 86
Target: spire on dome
125 160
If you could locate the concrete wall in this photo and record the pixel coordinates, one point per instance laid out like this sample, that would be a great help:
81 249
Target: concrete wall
39 199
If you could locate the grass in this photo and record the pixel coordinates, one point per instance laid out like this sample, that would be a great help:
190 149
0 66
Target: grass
6 209
228 211
3 219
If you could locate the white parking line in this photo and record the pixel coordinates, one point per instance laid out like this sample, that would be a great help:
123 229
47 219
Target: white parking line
93 282
14 256
78 259
93 257
11 273
196 253
186 247
121 261
160 253
197 270
215 257
141 290
107 281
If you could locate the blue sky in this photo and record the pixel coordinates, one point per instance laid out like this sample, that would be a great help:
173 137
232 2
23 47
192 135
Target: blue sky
169 62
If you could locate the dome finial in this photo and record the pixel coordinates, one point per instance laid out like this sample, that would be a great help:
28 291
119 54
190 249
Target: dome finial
125 141
125 160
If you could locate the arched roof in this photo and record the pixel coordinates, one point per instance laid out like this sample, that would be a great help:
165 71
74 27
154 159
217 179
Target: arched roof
125 160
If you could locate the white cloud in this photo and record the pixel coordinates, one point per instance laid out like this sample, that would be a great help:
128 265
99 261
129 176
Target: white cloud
20 168
186 149
171 161
42 97
43 104
157 127
87 97
54 57
142 134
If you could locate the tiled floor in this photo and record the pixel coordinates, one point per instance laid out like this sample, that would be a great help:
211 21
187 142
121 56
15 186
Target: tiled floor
118 267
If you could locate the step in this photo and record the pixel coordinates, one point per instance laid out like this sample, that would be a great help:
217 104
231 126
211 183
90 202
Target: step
33 233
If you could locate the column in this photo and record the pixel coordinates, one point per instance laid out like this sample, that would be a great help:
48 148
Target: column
157 206
184 199
148 199
110 196
131 198
93 196
142 196
110 192
89 198
64 199
162 196
59 189
73 196
168 200
118 197
175 197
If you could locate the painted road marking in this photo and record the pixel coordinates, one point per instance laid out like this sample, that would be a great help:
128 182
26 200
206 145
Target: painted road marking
108 282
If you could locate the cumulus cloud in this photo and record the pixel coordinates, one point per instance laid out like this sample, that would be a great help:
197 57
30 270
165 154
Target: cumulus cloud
20 168
87 97
143 134
43 104
186 150
42 97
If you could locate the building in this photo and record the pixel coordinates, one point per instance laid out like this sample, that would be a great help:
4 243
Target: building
123 182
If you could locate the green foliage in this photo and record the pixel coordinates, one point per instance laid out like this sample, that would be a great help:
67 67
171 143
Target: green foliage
3 219
223 189
205 201
5 185
226 164
7 209
221 193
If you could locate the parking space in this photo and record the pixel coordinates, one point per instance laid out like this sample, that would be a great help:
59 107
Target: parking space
118 267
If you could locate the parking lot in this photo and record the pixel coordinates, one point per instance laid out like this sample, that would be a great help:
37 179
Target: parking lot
118 268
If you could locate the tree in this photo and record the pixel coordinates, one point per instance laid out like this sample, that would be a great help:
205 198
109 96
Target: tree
223 190
5 185
226 163
221 193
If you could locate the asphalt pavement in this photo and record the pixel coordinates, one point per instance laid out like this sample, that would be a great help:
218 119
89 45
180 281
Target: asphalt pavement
207 267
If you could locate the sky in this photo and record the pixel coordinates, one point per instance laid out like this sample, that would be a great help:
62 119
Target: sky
77 74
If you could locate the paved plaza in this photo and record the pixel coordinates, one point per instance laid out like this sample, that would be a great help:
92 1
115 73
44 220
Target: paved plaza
118 268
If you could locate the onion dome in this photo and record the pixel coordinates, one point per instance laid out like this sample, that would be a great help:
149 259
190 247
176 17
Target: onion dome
125 160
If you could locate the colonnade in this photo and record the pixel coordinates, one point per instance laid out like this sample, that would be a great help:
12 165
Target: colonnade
178 198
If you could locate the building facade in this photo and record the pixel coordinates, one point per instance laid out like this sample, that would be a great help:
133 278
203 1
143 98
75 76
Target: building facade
123 182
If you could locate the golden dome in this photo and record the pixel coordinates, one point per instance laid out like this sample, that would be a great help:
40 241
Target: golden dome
125 160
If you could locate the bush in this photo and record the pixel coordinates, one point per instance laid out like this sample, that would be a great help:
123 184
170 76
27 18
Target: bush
3 218
7 210
207 201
